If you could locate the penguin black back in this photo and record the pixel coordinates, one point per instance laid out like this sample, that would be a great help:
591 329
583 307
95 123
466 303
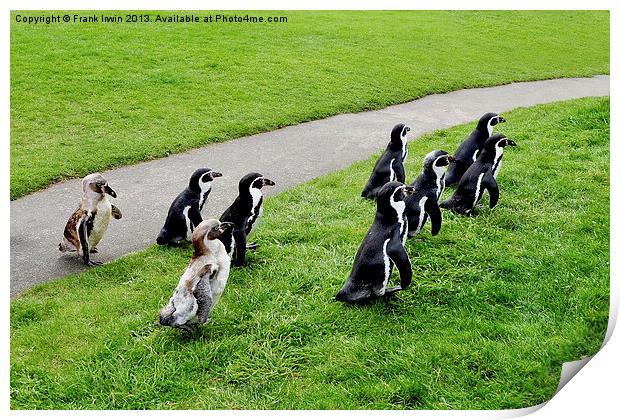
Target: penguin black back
390 165
480 176
244 213
381 249
428 186
184 213
471 147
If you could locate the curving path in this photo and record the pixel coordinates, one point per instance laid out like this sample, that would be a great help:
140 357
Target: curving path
289 156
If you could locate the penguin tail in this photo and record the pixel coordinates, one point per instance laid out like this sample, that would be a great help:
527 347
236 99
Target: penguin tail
164 237
351 294
369 193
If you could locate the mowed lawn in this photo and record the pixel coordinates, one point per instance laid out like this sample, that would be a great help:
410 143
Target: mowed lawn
86 97
497 302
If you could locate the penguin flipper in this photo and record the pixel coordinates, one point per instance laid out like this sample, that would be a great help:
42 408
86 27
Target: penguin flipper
202 293
491 185
398 255
434 212
240 247
116 212
84 245
194 216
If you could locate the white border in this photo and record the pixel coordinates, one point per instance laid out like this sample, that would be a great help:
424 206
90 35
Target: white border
594 390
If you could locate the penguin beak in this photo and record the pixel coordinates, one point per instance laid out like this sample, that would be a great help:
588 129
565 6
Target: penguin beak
408 190
510 142
109 191
451 159
215 174
501 119
268 182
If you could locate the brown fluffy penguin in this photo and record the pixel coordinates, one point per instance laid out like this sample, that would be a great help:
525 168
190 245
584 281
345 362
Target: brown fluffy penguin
87 225
203 281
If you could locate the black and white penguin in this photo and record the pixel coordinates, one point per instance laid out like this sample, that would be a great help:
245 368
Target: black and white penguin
391 164
185 211
480 176
203 281
87 225
382 248
428 187
471 147
244 213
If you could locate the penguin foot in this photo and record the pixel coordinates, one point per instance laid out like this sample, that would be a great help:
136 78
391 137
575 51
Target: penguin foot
188 329
92 263
391 290
252 246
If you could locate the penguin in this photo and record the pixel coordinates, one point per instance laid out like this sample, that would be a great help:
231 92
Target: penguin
185 211
471 147
391 164
244 213
428 187
87 225
382 248
480 176
203 281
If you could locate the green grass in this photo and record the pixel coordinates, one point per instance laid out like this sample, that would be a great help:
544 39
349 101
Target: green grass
93 96
497 302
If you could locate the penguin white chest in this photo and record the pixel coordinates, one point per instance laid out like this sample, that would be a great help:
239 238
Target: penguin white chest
440 174
387 267
205 189
188 224
399 208
392 172
478 194
100 224
422 214
497 162
257 206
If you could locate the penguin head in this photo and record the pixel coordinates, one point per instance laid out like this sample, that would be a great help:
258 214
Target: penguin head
201 179
253 180
497 141
488 121
398 136
95 185
209 229
391 195
437 159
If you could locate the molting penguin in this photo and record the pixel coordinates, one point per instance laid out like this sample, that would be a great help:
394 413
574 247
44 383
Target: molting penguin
428 187
382 248
185 211
203 281
481 175
87 225
471 147
244 213
391 164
